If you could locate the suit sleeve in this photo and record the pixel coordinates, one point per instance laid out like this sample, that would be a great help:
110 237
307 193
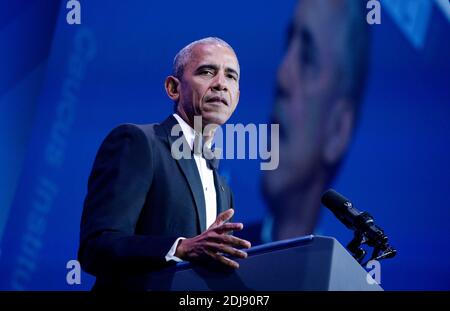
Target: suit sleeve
121 177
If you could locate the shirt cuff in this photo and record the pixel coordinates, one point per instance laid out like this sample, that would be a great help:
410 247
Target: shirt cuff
171 254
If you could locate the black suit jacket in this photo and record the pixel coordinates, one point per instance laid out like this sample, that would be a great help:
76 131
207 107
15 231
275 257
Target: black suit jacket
139 201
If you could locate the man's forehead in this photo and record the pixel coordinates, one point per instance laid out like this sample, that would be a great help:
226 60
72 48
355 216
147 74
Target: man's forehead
213 53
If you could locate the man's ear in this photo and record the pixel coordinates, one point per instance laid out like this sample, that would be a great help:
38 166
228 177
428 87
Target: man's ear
338 131
172 86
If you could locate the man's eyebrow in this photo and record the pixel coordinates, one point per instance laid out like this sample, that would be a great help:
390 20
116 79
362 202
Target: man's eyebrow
215 67
206 66
228 69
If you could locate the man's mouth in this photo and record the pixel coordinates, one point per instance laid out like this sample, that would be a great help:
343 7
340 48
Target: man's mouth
217 99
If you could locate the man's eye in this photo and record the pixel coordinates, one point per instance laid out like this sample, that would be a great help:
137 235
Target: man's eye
232 77
207 72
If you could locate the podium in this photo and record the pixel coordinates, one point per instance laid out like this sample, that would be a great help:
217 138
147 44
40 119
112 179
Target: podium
310 263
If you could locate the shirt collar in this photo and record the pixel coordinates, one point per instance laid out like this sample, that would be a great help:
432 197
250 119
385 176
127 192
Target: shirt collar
188 131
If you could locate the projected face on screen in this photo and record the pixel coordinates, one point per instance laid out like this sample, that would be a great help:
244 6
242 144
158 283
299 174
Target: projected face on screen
314 103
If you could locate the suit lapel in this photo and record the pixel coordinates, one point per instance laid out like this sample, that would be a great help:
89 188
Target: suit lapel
190 171
222 202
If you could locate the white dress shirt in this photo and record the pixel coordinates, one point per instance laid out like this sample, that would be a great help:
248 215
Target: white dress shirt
207 179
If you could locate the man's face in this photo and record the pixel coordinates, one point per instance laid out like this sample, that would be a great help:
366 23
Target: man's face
210 83
306 89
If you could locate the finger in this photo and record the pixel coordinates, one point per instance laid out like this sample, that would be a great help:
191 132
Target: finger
231 240
231 226
222 259
217 247
223 217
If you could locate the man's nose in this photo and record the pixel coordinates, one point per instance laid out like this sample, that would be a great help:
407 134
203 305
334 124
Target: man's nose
219 83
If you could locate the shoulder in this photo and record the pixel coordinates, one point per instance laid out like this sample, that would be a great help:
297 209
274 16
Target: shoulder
134 134
127 140
132 130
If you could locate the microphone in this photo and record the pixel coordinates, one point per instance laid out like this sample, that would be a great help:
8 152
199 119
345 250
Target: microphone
363 225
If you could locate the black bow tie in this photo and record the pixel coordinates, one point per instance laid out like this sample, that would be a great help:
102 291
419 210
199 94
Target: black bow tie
207 153
211 161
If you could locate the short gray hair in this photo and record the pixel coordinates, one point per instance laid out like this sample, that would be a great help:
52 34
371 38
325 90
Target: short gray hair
182 57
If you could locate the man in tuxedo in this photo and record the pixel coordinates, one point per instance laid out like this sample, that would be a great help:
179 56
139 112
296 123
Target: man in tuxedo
145 209
320 84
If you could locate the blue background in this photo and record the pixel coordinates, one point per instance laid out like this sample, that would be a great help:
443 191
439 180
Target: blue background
398 166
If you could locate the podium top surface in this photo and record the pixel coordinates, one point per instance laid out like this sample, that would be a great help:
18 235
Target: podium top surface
265 248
